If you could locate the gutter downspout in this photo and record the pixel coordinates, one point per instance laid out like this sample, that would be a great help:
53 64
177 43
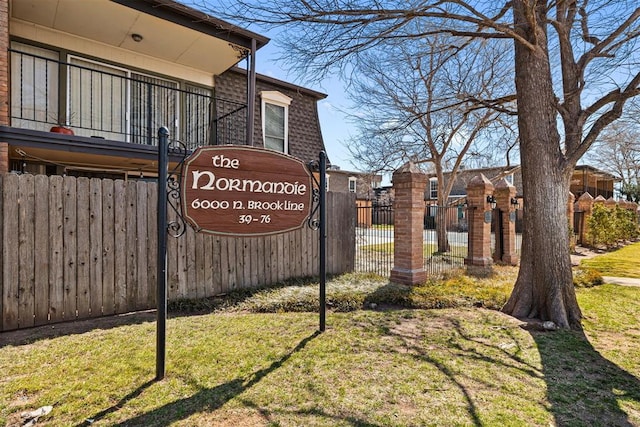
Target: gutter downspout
251 94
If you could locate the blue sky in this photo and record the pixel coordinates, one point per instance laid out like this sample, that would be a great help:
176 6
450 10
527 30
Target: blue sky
335 128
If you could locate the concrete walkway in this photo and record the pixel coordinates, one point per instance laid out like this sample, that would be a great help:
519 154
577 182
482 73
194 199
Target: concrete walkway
624 281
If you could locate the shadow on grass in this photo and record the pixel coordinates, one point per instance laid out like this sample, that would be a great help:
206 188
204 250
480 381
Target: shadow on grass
208 399
314 412
74 327
176 308
135 393
583 387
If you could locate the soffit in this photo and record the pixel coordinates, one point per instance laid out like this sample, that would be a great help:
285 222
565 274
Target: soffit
113 24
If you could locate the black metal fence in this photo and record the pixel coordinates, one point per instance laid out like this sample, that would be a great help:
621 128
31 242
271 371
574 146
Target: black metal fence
496 227
445 239
102 101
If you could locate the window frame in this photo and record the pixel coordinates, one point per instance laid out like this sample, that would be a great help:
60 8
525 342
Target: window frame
68 59
281 100
353 180
433 192
509 178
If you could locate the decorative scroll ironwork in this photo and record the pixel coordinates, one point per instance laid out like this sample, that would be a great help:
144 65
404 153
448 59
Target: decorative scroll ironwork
241 51
177 227
314 222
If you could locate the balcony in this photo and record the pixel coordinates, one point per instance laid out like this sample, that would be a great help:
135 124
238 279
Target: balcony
107 104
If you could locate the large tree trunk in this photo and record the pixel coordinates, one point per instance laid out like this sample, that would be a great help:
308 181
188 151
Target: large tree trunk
544 288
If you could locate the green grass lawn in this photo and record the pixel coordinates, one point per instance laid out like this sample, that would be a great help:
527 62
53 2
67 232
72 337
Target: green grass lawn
385 367
623 262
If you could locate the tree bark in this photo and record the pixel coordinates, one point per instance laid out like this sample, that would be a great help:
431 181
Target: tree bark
544 288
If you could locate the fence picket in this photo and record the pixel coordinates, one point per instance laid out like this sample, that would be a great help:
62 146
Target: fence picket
216 273
70 247
142 255
225 265
41 250
191 288
172 260
120 246
108 248
56 255
96 247
152 245
83 296
199 265
10 290
257 261
26 275
131 246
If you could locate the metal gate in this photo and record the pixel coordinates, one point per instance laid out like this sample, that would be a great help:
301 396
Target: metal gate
445 238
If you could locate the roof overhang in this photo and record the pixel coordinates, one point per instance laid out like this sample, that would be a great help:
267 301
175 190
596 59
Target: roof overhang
78 152
170 30
597 173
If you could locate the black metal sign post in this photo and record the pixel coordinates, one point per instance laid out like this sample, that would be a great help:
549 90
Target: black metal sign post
323 239
161 298
320 201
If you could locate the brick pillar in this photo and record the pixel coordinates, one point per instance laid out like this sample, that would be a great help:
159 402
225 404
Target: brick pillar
584 205
478 259
4 81
570 208
610 203
503 193
409 184
571 221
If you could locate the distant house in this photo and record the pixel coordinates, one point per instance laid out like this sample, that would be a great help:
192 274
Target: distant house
364 185
585 179
459 189
87 84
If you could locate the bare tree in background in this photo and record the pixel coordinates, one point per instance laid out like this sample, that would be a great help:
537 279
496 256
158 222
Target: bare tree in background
419 101
617 151
587 45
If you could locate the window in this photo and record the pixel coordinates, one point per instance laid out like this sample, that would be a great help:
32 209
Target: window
104 100
509 178
118 102
275 121
98 96
34 87
433 188
352 184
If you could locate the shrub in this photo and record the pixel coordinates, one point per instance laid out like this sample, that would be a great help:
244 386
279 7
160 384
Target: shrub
608 227
585 277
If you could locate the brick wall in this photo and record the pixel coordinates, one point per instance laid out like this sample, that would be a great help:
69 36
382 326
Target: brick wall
305 137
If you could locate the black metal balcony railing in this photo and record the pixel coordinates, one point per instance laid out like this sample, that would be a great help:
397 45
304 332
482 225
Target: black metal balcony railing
105 102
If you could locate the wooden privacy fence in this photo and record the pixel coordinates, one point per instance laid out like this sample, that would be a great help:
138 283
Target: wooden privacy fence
76 248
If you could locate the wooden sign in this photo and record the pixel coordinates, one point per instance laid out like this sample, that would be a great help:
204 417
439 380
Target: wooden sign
245 191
